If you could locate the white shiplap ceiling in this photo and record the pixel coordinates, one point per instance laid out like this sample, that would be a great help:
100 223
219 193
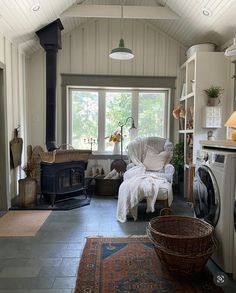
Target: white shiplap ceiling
19 23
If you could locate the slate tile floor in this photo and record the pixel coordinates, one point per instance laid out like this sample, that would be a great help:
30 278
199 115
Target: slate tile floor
48 262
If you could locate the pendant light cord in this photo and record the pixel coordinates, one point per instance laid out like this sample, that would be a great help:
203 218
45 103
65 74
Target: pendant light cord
122 19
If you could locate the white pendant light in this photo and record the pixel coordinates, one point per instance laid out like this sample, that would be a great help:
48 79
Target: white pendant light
231 51
121 53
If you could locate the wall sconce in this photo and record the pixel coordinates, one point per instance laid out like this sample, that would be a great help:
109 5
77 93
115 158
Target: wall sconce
121 131
231 122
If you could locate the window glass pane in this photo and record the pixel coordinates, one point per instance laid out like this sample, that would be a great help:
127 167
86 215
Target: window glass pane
151 114
84 119
118 109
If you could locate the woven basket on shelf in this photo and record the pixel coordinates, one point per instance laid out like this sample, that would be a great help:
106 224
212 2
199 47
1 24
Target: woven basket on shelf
182 264
181 234
61 156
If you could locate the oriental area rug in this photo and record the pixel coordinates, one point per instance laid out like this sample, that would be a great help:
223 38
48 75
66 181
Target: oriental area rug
130 265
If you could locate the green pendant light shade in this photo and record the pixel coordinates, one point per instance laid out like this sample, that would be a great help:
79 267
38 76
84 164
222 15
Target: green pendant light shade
121 53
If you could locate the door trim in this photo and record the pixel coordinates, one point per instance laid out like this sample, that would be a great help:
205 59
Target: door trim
4 169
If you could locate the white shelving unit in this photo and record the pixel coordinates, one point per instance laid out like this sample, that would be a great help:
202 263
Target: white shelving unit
199 72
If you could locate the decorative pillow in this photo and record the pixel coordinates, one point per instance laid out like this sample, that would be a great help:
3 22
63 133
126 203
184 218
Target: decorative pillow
156 161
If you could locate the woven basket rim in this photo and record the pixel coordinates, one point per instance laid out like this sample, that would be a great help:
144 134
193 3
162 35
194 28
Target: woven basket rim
175 236
189 255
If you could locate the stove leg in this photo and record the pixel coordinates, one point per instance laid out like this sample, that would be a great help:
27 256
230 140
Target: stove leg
52 199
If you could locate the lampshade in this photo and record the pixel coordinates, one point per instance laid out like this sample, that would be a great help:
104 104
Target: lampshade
231 51
231 122
121 53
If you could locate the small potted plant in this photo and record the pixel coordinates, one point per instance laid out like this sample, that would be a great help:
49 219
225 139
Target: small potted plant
213 93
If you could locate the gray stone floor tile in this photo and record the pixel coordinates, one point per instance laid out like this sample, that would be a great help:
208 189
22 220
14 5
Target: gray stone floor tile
12 262
64 283
44 261
76 245
20 272
51 291
67 261
25 283
61 271
15 291
54 253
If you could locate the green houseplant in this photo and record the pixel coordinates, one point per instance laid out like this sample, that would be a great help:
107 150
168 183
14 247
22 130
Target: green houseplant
213 93
178 163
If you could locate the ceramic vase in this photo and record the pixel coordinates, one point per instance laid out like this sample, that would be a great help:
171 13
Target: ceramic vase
116 149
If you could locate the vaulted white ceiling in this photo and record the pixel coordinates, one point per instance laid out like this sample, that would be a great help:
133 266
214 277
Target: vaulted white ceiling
19 23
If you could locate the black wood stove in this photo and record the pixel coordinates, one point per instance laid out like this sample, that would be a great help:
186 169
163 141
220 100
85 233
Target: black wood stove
62 180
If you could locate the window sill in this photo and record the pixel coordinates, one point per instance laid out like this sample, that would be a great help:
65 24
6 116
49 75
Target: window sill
106 155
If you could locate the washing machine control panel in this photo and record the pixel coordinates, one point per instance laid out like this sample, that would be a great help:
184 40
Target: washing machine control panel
210 157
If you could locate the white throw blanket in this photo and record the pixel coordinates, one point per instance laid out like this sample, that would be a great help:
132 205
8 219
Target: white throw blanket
136 186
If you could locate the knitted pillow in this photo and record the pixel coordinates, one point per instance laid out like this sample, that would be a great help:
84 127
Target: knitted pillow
156 161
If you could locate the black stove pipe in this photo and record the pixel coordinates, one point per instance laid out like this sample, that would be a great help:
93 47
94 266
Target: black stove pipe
50 40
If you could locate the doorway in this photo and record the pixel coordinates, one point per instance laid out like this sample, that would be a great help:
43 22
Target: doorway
3 142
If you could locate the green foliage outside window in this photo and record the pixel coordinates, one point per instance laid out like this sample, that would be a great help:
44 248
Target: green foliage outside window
151 114
84 118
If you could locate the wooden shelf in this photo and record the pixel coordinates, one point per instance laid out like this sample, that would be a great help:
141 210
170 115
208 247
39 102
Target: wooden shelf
187 131
190 95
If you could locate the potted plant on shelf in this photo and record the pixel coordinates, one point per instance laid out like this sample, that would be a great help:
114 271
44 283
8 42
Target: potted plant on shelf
213 93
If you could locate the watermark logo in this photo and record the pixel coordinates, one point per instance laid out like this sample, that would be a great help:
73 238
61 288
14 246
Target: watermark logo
220 279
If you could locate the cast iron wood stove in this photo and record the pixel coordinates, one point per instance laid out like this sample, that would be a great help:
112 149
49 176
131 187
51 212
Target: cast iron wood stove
63 180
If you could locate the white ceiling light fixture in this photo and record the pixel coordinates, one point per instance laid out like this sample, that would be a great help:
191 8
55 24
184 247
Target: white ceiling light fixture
36 6
231 50
206 12
121 53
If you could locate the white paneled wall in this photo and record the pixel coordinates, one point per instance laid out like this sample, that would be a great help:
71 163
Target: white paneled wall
85 50
14 61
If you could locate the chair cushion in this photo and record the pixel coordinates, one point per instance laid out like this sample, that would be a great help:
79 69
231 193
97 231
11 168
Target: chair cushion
156 161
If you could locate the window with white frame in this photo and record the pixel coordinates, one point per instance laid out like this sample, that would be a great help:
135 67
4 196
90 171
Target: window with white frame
94 115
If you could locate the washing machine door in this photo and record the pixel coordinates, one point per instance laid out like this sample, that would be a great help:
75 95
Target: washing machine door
206 196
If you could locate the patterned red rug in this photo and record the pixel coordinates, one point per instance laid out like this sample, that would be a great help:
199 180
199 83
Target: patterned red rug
130 265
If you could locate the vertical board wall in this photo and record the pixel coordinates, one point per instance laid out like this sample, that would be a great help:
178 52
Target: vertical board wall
14 98
85 50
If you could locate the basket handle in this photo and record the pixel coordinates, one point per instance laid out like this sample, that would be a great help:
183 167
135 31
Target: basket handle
166 211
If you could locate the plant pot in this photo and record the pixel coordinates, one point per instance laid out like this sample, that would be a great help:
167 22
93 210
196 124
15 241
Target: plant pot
213 101
27 192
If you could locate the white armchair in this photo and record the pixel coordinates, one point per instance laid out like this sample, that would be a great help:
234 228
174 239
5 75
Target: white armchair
137 151
148 176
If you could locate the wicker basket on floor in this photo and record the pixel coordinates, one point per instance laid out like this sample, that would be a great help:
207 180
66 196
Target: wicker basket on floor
181 234
182 264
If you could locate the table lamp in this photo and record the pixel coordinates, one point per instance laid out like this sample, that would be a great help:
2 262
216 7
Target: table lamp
231 122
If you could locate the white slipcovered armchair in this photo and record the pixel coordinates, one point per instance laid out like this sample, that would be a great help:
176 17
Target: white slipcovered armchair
149 176
137 150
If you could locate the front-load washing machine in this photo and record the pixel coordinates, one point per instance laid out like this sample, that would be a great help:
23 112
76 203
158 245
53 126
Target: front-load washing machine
213 200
